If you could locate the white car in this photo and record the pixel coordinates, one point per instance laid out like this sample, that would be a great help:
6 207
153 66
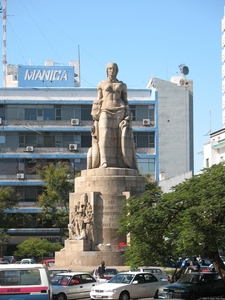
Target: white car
128 285
158 272
72 285
28 261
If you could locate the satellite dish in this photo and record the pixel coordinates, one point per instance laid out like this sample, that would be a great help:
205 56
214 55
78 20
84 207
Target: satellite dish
185 70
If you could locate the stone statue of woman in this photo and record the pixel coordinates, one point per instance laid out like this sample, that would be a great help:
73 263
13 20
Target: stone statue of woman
112 136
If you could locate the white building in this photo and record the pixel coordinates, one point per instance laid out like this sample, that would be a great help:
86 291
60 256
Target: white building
214 149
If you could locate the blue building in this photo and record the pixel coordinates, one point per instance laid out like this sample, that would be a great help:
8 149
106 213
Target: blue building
45 116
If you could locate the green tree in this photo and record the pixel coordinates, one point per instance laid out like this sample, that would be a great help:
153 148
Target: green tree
54 201
8 200
188 221
136 220
37 247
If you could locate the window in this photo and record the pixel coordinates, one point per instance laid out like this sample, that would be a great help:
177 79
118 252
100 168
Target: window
139 278
86 139
86 278
49 139
146 166
30 114
140 112
133 112
144 139
2 111
49 114
150 278
151 112
75 280
19 277
28 193
86 112
58 112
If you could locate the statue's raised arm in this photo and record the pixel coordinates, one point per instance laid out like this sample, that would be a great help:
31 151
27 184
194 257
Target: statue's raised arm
112 136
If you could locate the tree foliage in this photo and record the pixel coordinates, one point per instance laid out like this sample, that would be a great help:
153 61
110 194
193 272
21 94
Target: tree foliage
8 200
37 247
55 199
188 221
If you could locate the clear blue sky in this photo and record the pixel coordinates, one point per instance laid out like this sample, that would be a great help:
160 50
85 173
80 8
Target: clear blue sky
144 37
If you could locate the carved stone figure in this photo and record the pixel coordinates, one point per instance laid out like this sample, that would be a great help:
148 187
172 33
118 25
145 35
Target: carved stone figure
112 136
81 220
73 226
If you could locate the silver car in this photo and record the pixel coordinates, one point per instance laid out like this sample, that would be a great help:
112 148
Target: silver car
72 285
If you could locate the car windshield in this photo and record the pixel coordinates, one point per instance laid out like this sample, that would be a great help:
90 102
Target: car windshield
60 280
189 278
122 278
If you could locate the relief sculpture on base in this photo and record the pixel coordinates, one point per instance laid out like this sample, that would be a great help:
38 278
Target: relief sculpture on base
81 220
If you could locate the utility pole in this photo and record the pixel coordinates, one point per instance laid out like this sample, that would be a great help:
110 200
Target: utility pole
4 61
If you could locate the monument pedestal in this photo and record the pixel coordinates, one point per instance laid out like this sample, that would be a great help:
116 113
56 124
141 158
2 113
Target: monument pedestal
95 207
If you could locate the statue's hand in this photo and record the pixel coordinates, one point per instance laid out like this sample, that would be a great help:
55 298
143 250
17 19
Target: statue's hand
124 123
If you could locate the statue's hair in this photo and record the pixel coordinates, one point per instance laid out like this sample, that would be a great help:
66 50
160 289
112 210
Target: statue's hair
112 63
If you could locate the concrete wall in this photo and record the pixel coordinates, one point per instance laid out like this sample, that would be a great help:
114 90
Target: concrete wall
175 123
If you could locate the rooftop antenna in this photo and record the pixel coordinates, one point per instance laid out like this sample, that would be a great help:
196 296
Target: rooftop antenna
210 123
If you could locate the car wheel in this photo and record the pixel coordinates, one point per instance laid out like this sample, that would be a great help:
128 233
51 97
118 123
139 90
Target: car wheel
156 295
192 296
61 297
124 296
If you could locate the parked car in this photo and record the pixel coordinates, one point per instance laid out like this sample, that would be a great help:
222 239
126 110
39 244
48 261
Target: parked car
204 262
154 270
178 273
72 285
28 261
3 260
109 273
128 285
193 286
48 262
53 271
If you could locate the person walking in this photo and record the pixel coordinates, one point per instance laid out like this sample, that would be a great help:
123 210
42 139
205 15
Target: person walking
101 269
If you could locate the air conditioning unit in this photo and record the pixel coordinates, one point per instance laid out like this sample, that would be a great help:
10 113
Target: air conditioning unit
29 148
72 147
146 122
20 176
75 122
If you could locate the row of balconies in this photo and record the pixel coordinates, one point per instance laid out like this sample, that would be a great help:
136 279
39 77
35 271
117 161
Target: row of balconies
40 150
72 122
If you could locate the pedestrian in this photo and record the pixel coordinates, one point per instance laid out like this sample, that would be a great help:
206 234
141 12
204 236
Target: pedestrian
185 263
13 260
101 269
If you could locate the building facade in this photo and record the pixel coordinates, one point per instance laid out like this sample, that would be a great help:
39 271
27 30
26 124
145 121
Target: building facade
45 116
214 150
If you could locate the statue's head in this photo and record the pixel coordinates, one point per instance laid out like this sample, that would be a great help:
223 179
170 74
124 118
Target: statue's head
114 65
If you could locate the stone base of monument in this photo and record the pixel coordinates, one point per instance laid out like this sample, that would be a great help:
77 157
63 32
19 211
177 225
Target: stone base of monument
95 207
